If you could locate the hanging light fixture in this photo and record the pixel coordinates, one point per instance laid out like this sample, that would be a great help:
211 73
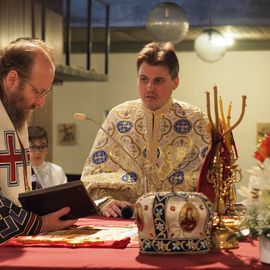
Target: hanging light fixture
167 22
210 45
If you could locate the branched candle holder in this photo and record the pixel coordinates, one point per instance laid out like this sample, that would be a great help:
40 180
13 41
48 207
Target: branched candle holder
222 170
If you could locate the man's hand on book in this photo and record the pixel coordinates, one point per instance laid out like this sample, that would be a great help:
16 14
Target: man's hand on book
113 208
52 222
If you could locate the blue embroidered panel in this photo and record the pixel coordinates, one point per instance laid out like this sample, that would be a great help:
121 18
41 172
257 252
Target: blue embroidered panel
130 177
183 126
99 157
159 215
204 151
11 216
177 178
124 126
168 246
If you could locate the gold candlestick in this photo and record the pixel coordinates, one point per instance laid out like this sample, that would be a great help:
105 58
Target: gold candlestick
223 172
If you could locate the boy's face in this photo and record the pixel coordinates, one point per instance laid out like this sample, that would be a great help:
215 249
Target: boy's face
38 151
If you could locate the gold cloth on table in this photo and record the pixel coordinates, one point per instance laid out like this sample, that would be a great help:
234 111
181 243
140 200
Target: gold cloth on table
81 236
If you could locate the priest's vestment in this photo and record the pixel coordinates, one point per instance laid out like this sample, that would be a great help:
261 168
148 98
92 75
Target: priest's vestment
15 173
166 148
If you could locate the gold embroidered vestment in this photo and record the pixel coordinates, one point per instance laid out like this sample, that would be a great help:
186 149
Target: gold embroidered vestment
168 145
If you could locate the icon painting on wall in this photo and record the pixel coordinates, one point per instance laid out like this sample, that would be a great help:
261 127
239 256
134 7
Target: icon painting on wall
67 134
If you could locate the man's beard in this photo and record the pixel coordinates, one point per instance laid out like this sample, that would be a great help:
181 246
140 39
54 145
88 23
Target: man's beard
15 106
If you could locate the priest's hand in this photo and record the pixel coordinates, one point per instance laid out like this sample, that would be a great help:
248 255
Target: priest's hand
52 222
113 208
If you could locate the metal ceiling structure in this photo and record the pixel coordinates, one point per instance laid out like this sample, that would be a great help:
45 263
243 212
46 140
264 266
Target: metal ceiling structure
248 21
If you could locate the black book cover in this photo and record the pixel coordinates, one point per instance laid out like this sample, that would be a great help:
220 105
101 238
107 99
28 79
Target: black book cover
47 200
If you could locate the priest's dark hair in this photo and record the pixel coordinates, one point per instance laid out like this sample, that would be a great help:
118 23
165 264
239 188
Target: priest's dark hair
157 53
20 55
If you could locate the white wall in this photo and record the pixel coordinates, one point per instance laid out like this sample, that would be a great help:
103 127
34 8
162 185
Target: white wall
237 74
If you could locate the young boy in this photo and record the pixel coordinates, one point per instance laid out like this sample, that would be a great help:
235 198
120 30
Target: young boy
44 174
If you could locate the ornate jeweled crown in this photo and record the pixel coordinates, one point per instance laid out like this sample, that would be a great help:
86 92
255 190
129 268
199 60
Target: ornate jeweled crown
174 223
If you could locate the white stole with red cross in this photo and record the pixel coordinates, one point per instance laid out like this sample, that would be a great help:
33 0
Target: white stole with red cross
11 163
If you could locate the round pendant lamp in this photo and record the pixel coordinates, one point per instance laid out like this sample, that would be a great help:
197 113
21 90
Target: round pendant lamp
167 22
210 45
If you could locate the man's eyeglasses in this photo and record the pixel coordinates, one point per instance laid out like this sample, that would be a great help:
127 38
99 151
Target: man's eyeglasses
35 148
38 92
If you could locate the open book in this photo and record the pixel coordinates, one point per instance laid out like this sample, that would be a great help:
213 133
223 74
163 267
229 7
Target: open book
47 200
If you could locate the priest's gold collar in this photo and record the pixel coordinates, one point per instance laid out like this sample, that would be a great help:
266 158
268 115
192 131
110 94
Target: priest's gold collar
162 109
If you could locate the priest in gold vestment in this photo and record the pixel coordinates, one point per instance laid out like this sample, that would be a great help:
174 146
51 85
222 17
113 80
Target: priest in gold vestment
156 141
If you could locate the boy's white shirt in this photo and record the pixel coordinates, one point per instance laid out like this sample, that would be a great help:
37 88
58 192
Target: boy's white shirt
49 174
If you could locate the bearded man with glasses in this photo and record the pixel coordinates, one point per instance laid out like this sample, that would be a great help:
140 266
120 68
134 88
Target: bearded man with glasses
26 74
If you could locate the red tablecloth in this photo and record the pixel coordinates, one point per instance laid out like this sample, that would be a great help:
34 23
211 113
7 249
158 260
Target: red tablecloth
245 257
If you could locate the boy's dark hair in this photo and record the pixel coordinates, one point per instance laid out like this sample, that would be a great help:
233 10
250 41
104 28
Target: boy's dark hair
36 132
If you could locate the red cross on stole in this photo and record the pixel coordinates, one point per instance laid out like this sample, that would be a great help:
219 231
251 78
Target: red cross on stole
12 158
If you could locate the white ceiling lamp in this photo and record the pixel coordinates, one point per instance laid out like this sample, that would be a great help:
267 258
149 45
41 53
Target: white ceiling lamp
210 45
168 22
